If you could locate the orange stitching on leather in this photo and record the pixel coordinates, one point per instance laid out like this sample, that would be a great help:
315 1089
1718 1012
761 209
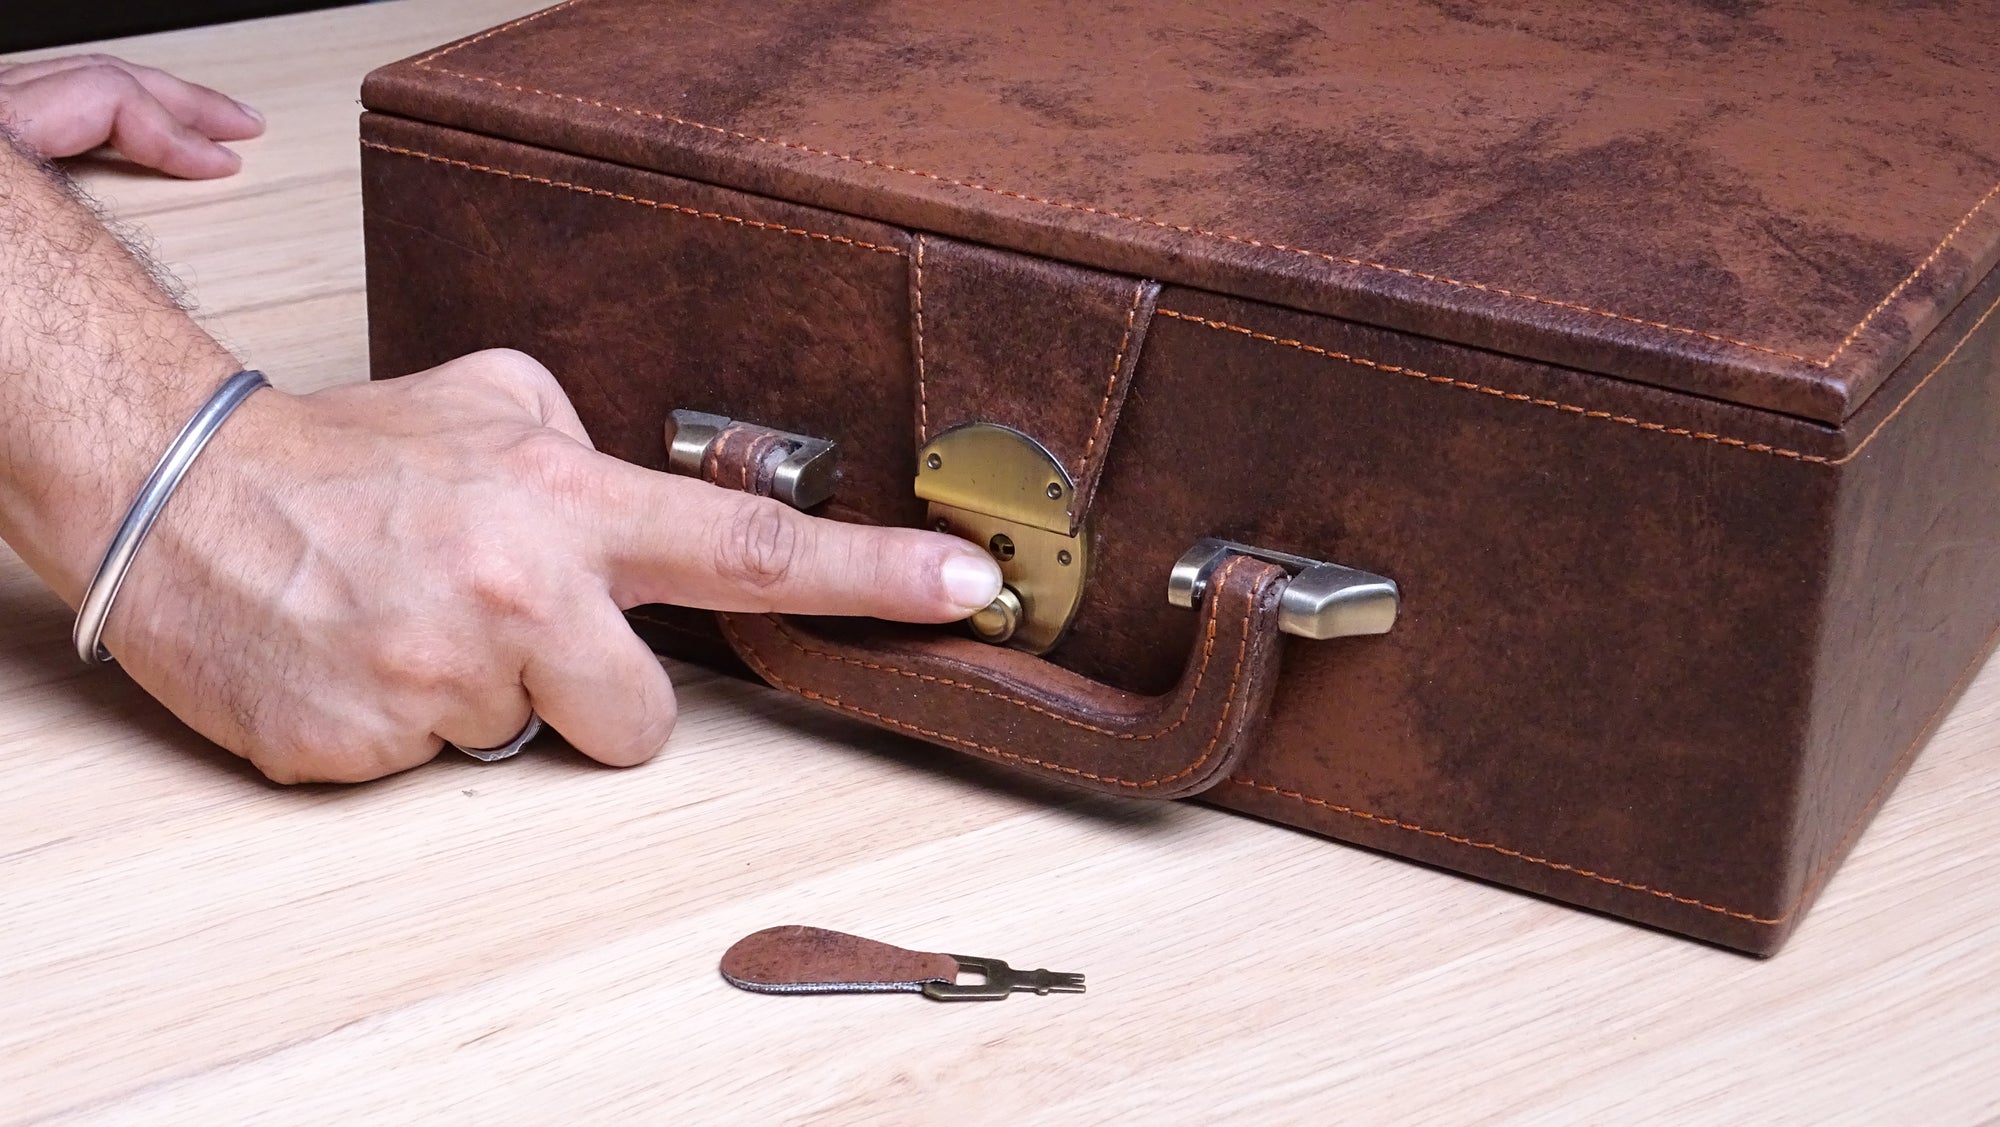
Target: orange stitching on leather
1500 849
1806 891
765 671
744 464
750 655
1626 420
923 406
1682 432
1207 652
1921 384
1825 865
711 461
621 197
1117 364
1511 396
1920 268
489 33
753 464
1243 240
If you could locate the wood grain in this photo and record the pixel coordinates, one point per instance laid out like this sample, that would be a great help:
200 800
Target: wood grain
536 940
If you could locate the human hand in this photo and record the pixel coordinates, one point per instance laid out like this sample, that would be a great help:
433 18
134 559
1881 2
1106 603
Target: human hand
347 578
62 107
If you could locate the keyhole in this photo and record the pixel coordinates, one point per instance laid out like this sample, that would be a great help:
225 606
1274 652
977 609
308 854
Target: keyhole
1001 546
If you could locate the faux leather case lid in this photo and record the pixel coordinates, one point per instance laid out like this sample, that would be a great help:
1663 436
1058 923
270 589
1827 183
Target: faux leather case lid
1767 203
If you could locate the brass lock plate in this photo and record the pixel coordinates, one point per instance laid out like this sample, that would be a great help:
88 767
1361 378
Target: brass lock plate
1004 491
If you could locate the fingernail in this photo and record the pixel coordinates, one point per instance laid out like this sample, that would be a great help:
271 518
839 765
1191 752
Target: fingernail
971 581
250 110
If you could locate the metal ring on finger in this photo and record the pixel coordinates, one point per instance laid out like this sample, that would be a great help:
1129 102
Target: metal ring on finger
512 747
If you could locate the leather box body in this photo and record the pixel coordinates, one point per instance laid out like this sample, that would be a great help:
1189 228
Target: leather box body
1651 349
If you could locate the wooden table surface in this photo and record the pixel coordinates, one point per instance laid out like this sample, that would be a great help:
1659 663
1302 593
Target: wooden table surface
536 940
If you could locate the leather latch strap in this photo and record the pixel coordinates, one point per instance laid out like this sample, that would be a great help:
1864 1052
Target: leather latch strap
1038 346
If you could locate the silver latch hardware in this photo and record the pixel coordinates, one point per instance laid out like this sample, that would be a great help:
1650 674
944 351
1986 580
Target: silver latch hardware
804 478
1322 600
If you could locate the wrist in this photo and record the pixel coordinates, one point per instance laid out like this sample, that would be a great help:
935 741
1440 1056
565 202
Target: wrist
61 503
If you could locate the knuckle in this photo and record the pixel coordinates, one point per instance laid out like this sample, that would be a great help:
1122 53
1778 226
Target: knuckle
356 764
549 460
513 592
760 544
301 761
512 369
281 769
421 663
498 585
108 79
500 373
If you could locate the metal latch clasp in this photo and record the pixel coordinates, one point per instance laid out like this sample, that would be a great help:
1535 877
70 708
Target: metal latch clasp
1006 493
1322 600
805 477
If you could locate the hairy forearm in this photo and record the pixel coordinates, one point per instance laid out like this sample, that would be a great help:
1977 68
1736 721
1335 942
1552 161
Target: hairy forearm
99 367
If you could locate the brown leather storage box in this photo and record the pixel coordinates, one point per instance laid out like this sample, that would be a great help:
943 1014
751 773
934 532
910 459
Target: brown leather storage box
1649 349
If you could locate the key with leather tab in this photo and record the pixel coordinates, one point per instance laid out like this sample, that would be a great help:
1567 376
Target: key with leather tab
812 960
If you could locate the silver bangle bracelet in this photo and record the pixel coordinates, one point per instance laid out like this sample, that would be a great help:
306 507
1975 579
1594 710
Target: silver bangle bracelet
152 500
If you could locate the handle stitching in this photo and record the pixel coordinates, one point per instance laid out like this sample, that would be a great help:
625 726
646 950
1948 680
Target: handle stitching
1208 646
1261 244
746 465
711 460
1201 672
751 655
1014 757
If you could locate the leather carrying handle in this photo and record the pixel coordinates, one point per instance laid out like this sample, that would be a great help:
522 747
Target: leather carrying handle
1019 710
1032 714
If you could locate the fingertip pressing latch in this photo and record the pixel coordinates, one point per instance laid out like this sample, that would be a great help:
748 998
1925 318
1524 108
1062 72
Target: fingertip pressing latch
1005 492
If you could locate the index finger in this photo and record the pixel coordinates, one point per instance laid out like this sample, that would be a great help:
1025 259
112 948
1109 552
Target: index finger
670 539
210 112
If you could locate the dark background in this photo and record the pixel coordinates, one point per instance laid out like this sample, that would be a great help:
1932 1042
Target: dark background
42 23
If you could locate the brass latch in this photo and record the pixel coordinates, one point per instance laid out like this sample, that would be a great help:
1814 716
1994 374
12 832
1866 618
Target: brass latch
1322 600
1002 490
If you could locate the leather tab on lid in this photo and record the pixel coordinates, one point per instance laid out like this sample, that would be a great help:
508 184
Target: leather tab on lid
813 960
1044 347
